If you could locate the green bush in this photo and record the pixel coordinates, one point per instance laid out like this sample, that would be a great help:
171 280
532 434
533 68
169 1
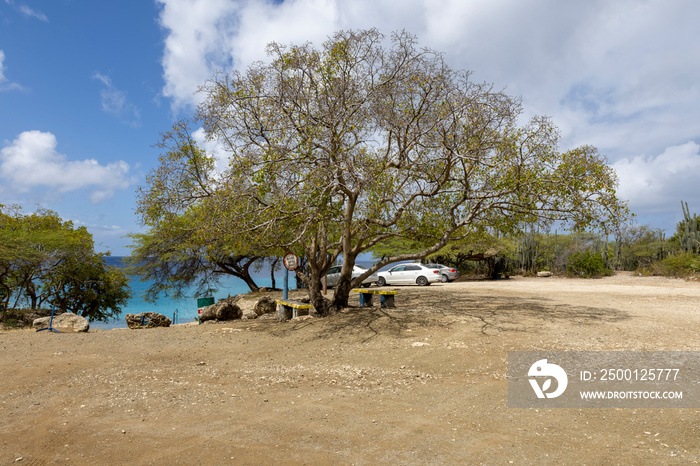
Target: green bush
587 264
677 265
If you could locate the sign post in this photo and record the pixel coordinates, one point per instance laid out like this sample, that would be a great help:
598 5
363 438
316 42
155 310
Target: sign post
291 262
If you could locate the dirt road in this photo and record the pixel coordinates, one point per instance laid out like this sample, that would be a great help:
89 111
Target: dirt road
424 383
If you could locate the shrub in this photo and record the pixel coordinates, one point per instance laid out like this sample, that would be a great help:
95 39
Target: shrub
677 265
587 264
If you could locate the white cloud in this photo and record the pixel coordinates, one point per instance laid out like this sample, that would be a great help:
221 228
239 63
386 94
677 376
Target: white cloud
212 148
194 46
622 76
115 102
31 162
27 11
595 66
6 84
652 183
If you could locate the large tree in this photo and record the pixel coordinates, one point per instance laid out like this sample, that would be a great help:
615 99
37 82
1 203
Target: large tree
333 150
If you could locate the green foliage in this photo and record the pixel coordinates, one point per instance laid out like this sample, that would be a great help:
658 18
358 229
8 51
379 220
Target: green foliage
677 265
587 264
183 246
637 247
335 150
45 260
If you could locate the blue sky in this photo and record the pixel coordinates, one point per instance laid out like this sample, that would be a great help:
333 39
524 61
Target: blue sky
86 87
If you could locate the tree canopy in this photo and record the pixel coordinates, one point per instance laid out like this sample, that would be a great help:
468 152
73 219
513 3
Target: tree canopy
175 254
46 260
334 150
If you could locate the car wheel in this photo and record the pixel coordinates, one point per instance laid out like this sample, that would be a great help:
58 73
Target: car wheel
381 281
422 281
443 278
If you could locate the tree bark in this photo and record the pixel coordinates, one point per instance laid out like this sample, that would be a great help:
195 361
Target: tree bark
273 266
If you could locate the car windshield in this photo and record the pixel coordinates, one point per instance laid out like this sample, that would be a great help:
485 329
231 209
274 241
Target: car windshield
361 267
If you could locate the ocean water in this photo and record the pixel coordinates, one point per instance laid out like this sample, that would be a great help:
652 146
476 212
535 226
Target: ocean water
187 307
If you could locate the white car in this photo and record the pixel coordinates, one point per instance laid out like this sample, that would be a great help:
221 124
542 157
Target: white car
333 275
408 274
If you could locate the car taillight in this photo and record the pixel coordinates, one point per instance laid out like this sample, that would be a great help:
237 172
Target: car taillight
451 270
435 271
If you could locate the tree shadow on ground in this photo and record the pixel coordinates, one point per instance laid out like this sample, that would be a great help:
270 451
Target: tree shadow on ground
490 315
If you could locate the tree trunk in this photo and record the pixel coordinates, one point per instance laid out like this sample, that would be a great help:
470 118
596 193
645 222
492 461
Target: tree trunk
31 293
341 295
249 281
322 305
273 266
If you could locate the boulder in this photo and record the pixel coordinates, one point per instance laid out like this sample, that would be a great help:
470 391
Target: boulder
544 274
223 310
66 323
147 320
265 305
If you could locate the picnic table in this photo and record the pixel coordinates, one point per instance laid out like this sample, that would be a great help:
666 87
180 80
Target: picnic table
386 297
290 308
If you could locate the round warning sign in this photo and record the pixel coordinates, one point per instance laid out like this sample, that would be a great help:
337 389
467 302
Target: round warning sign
291 261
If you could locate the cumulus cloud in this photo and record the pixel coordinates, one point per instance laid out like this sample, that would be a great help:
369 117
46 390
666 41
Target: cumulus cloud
622 76
653 182
594 66
31 162
115 102
194 46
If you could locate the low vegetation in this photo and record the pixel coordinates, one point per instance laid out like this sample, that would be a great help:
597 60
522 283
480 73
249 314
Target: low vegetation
638 248
46 261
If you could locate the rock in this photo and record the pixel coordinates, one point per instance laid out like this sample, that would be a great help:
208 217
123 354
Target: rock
544 274
223 310
265 305
66 322
250 315
147 320
232 299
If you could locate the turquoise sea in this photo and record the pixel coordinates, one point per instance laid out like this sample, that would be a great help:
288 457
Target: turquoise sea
186 308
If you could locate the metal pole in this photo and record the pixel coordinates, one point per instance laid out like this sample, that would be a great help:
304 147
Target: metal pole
285 290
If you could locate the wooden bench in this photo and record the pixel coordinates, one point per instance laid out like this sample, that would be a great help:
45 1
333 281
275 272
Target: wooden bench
289 308
386 297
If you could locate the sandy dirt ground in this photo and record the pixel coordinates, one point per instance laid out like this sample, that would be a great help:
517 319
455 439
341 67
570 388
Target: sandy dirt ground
424 383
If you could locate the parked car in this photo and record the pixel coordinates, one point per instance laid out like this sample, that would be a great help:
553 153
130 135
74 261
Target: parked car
333 275
447 274
408 274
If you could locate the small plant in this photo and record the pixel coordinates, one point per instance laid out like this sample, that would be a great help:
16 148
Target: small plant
678 265
11 322
587 264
